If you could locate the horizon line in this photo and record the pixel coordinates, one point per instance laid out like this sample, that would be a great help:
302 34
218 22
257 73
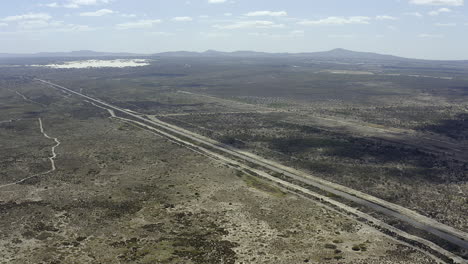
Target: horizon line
223 51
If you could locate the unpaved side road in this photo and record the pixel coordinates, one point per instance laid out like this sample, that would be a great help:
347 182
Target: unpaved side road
27 99
57 143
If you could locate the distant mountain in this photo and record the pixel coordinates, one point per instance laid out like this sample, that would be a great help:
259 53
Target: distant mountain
240 53
80 53
335 54
178 54
332 54
215 53
349 54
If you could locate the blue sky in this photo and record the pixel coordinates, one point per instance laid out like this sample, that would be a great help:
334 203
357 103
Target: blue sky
432 29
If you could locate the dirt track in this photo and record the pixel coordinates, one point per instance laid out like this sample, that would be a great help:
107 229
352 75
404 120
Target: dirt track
51 158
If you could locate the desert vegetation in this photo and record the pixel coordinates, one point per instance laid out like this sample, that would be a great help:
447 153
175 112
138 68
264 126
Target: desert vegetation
391 134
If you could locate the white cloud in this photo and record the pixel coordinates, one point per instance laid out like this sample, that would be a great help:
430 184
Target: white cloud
439 11
385 17
438 2
3 24
337 21
227 14
182 19
90 2
217 1
79 3
250 24
415 14
267 13
424 35
98 13
139 24
446 24
29 16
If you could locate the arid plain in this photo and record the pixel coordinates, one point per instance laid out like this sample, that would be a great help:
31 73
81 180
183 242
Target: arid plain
82 182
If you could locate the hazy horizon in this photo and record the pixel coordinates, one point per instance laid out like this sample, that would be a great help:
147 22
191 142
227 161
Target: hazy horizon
222 51
424 29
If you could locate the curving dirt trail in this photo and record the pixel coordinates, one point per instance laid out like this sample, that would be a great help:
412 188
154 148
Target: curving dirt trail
54 154
51 158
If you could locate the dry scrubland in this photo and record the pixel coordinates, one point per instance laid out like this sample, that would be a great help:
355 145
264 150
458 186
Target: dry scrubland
125 195
122 194
398 137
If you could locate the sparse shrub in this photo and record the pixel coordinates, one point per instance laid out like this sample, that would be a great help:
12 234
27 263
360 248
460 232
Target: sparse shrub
330 246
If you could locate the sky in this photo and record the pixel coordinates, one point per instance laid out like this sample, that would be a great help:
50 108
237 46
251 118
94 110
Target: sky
428 29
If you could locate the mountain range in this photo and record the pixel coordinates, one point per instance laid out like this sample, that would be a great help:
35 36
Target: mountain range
329 55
